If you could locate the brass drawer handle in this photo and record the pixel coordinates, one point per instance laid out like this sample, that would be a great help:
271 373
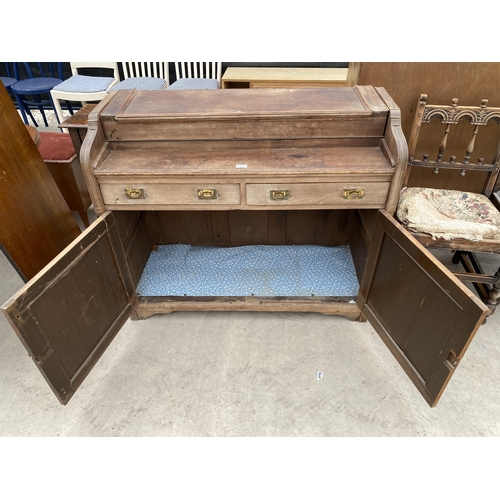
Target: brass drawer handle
207 194
353 194
279 194
134 194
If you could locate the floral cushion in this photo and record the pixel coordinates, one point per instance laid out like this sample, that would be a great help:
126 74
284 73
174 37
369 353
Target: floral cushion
449 214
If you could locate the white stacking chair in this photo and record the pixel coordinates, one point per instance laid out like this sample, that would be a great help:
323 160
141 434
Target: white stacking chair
143 76
84 88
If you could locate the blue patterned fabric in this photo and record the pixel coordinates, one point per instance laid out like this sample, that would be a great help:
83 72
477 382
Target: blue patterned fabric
140 83
259 270
82 83
194 84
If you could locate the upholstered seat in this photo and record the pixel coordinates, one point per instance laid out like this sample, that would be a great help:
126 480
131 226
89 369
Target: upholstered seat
82 83
59 155
56 147
197 76
143 76
449 214
84 88
195 84
140 83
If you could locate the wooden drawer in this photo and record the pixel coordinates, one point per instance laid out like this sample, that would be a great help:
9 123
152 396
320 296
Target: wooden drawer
137 193
332 194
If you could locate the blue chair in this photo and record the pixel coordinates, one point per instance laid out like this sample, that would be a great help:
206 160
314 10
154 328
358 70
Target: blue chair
8 81
29 91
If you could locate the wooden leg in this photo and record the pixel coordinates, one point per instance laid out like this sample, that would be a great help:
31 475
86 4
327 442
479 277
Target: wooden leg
85 218
494 293
487 286
57 108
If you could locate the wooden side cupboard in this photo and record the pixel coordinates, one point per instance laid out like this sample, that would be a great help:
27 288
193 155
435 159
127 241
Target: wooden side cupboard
255 78
245 169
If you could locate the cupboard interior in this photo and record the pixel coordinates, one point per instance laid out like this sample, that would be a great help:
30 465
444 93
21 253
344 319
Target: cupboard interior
142 232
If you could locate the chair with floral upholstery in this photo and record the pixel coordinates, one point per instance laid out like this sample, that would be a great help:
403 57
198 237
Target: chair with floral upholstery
455 204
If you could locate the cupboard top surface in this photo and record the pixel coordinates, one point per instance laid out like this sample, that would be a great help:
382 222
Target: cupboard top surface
166 105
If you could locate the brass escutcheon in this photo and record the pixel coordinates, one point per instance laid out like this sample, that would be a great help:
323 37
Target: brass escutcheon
134 194
207 194
353 194
279 194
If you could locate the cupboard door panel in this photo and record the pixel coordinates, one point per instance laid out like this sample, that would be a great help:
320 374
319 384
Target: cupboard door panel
425 315
68 313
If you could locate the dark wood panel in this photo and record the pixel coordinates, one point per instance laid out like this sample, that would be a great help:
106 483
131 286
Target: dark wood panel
126 222
69 179
248 227
359 238
36 223
67 315
441 81
239 227
473 181
277 227
432 320
425 316
220 228
172 227
136 242
317 227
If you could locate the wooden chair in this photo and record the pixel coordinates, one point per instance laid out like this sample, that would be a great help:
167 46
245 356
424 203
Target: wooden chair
197 76
84 88
475 183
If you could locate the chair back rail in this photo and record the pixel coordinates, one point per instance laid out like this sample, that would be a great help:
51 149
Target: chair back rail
198 70
450 115
44 70
145 69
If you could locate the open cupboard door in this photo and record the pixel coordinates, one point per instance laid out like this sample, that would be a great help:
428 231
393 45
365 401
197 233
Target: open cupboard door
67 315
423 313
